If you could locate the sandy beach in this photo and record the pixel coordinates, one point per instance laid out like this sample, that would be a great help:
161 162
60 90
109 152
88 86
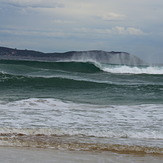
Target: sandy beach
35 155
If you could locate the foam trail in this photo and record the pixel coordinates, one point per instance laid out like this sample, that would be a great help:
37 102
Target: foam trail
132 70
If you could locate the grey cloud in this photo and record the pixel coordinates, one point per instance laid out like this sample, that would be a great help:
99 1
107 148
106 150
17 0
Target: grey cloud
34 4
112 16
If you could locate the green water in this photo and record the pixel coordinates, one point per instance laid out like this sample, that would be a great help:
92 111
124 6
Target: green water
78 82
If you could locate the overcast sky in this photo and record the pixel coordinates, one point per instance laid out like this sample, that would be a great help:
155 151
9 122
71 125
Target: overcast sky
134 26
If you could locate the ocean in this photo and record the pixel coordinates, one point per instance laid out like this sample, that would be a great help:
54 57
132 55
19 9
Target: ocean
86 106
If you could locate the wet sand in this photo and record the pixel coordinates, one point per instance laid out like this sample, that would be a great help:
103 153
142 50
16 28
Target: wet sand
37 155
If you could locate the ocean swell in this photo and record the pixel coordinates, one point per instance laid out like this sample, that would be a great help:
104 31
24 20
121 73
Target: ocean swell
15 66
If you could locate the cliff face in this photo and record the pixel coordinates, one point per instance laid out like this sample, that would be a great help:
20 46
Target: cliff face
85 56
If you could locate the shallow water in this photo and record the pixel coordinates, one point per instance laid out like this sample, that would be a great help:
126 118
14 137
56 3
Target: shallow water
26 155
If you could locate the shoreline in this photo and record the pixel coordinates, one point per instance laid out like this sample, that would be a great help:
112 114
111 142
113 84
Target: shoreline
35 155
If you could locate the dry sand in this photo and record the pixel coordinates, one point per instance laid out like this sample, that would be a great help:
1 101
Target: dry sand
37 155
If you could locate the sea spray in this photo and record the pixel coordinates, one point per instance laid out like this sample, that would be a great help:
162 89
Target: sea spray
124 69
76 105
86 56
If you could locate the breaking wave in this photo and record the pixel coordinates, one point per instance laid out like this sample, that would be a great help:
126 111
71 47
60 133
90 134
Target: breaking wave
81 105
123 69
12 66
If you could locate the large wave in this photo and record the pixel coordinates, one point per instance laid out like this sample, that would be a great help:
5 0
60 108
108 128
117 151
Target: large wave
72 66
21 67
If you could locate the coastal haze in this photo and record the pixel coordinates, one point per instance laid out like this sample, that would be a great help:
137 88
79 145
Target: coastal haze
83 56
59 26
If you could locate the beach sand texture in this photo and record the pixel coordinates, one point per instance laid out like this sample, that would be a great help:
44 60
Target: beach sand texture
36 155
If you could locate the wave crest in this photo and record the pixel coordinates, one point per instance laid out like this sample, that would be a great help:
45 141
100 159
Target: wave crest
27 66
21 67
124 69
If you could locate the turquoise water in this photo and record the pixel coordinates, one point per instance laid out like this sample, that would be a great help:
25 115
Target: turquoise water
81 82
88 103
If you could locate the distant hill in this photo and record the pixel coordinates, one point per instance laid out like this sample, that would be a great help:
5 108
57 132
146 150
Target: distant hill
85 56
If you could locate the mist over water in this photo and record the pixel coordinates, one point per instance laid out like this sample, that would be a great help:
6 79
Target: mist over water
120 58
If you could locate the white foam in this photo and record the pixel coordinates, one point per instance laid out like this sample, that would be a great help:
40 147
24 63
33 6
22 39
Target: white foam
133 70
2 72
61 117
